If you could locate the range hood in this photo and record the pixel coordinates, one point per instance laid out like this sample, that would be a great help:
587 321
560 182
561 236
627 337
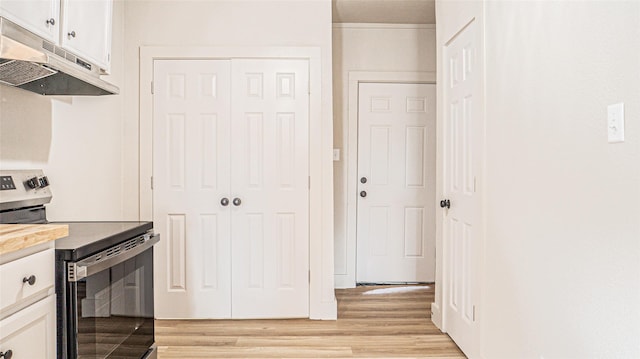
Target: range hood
29 62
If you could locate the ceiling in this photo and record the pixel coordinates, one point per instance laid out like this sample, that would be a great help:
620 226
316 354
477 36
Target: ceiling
384 11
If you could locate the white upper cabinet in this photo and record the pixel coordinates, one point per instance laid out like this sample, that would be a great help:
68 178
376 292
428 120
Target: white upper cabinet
86 29
82 27
38 16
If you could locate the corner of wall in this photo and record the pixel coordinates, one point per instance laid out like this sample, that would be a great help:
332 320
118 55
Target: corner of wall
436 315
321 310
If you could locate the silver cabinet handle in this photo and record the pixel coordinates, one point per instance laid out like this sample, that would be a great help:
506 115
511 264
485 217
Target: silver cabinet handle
72 34
237 201
51 21
224 202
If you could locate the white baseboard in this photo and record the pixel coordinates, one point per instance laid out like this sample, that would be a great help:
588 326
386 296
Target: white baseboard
325 311
344 281
436 315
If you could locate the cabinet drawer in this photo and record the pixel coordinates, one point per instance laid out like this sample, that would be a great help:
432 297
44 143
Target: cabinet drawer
31 332
14 290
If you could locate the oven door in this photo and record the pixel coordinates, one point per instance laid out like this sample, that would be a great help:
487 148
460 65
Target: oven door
111 302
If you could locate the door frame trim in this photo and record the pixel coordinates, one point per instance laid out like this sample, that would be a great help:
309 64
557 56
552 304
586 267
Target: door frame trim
348 280
322 301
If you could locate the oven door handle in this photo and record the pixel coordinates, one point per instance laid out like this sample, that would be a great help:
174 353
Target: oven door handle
84 268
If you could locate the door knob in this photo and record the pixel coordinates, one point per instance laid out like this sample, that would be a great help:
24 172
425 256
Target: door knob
237 201
363 180
71 34
51 21
6 355
445 203
31 280
363 194
224 202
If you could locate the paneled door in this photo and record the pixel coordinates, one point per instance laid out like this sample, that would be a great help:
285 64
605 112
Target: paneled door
396 183
231 188
463 151
191 174
270 172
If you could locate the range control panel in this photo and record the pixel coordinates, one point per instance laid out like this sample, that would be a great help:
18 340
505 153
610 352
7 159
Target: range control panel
23 188
6 183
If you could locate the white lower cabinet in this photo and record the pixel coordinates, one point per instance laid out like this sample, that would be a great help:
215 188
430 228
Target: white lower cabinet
31 332
15 277
28 304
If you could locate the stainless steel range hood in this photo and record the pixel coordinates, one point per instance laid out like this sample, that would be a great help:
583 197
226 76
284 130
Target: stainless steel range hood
29 62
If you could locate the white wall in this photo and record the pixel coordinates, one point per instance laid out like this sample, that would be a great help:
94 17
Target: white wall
562 253
76 140
305 23
367 47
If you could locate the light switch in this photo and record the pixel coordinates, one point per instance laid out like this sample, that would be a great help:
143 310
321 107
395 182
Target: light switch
615 122
336 154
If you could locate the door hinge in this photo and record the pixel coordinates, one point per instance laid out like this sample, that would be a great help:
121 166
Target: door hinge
474 313
152 90
151 182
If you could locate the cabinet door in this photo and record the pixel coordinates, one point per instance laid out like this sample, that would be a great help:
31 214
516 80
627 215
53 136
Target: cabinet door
38 16
86 30
31 332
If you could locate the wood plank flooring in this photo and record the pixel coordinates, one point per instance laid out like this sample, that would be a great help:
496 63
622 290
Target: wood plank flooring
372 323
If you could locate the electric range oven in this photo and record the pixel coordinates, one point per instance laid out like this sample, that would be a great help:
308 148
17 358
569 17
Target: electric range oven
104 277
104 290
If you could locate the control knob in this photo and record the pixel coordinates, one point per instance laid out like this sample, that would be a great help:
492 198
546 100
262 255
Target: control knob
44 182
33 183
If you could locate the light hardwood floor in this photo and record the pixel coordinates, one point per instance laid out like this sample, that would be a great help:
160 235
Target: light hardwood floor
371 324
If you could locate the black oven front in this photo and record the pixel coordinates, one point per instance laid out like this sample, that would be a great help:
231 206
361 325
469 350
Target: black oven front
109 303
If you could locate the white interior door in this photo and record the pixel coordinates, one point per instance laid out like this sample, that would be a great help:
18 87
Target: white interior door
248 258
396 189
191 167
270 171
462 137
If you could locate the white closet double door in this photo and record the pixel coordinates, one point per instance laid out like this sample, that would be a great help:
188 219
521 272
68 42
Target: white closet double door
230 188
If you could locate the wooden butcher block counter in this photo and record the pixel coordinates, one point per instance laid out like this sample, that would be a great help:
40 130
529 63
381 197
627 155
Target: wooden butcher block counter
14 237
